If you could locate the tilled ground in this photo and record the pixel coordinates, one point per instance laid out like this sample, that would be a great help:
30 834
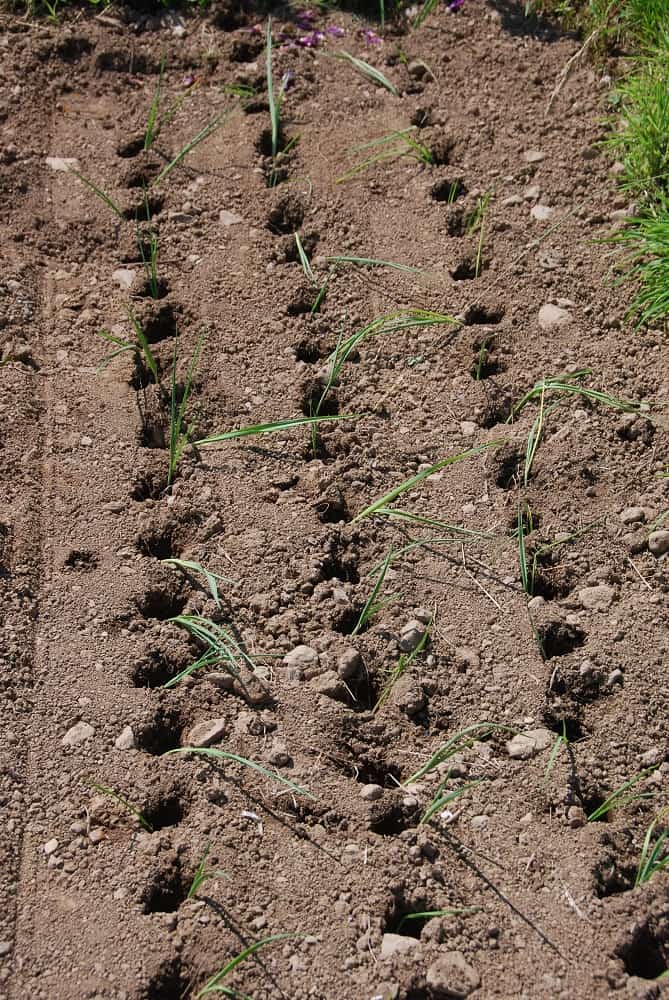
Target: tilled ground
93 903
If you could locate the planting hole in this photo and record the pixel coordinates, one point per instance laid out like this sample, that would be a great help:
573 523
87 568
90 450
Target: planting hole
160 324
390 821
162 733
396 917
131 147
478 314
165 892
286 216
309 351
169 983
158 543
161 604
560 638
507 472
464 270
153 670
448 190
149 485
646 954
81 559
154 290
311 397
163 811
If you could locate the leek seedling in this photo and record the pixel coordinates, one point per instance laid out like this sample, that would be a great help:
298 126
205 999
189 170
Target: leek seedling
98 191
404 662
443 799
225 755
452 911
424 12
214 985
620 798
178 435
140 349
203 874
150 261
143 821
461 740
398 144
373 74
372 604
190 146
271 428
654 857
212 579
152 121
409 484
220 649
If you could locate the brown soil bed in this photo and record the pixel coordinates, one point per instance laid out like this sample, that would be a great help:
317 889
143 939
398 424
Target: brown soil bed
91 903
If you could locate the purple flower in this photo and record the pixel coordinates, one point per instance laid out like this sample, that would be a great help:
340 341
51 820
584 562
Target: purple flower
312 40
189 80
334 31
305 19
287 80
454 6
371 37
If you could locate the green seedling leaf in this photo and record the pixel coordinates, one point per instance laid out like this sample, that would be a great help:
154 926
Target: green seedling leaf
373 74
373 262
620 798
202 875
143 821
212 579
409 484
271 428
214 984
461 740
403 664
236 759
453 911
96 190
372 604
190 146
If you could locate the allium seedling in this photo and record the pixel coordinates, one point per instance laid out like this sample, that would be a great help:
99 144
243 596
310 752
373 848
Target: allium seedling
178 433
140 349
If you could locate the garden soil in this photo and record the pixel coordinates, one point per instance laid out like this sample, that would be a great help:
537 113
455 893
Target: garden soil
102 832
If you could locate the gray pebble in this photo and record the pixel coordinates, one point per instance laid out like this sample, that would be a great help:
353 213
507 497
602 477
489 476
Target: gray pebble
397 944
203 734
451 975
349 663
633 515
370 793
125 740
77 734
551 317
411 635
658 542
599 598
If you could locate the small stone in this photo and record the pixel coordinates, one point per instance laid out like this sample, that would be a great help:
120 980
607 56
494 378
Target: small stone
536 602
77 734
466 658
542 213
417 69
370 793
349 663
279 756
386 991
633 515
229 218
203 734
411 635
479 822
125 739
551 317
62 162
6 947
513 199
533 156
651 757
397 944
331 685
96 835
408 695
615 677
524 746
576 817
452 976
531 193
124 277
302 661
468 428
599 598
658 542
51 846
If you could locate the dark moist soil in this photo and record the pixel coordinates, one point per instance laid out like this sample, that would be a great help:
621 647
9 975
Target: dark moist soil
91 903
